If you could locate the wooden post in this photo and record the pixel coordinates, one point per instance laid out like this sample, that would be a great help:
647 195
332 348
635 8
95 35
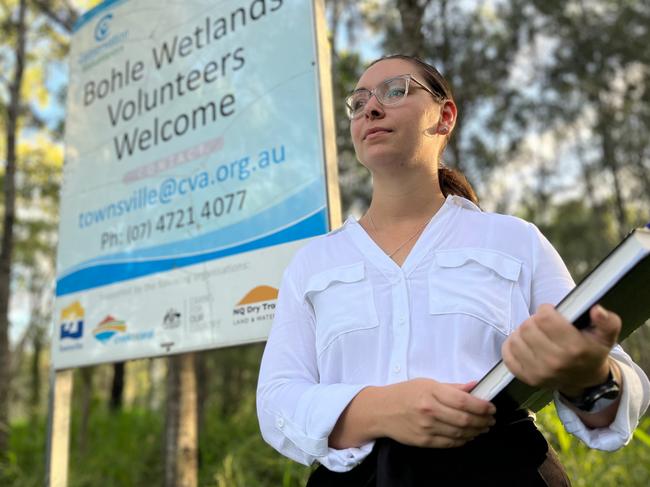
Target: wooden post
187 446
59 434
327 115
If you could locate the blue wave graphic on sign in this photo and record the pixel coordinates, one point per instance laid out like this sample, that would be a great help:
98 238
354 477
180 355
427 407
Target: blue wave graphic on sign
109 273
305 202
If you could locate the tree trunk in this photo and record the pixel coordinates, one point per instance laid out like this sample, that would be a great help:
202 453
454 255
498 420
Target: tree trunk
411 13
86 399
454 148
151 392
8 224
610 162
117 388
35 382
172 415
202 388
226 386
644 174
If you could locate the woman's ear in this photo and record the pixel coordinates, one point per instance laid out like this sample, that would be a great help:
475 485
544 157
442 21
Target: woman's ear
447 119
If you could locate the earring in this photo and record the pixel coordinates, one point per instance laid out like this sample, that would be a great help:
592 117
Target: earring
443 129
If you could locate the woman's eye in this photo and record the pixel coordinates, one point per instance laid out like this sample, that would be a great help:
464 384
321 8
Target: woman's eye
358 104
395 92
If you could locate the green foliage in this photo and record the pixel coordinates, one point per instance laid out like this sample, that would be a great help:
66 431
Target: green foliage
233 454
25 466
122 448
125 449
593 468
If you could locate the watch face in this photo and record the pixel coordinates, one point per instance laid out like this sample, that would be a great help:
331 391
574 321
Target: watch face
602 404
611 393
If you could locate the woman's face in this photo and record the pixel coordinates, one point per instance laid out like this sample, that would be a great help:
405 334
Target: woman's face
397 135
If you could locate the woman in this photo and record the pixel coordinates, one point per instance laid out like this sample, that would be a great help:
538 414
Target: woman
383 326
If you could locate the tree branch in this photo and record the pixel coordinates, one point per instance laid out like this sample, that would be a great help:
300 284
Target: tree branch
65 16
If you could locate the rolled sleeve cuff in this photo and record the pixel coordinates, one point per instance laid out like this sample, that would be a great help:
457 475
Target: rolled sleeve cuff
318 410
620 431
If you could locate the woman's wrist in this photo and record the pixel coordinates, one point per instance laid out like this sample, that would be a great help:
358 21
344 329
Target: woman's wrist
375 396
600 376
361 420
603 411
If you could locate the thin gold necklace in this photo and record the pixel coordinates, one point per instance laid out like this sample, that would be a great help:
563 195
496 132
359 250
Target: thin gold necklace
390 254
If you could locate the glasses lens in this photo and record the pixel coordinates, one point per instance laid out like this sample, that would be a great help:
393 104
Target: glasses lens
392 91
389 92
356 101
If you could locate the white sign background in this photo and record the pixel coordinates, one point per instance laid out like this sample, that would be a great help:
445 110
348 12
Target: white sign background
194 169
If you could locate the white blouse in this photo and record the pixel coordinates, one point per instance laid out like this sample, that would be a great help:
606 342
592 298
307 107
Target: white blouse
348 317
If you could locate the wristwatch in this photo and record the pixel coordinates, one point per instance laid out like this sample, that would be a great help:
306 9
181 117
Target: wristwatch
598 397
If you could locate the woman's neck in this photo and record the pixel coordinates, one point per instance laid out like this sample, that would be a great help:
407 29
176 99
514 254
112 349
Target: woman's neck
406 199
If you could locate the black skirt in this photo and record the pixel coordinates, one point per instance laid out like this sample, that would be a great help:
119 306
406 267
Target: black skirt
512 454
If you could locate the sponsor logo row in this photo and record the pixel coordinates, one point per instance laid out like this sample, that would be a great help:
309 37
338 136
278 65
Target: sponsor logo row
256 306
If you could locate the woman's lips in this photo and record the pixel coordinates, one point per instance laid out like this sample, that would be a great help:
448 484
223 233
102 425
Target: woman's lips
376 132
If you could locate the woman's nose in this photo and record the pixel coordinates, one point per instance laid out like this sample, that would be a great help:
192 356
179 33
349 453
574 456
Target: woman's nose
373 109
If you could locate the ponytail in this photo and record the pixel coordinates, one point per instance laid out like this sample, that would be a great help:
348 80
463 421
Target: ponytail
454 182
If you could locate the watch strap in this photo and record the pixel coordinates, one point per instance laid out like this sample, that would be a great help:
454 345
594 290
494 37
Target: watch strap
608 390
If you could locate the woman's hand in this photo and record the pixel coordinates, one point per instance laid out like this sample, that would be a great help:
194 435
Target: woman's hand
548 351
419 412
426 413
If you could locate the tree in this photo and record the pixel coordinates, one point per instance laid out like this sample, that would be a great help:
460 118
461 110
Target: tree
17 25
24 230
40 163
593 90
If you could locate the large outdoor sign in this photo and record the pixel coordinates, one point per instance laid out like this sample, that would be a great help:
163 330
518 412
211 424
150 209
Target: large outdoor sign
194 168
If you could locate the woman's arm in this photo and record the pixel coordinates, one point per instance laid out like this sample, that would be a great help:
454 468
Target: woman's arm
609 429
296 411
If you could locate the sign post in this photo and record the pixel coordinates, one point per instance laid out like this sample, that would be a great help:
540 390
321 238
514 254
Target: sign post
59 440
187 459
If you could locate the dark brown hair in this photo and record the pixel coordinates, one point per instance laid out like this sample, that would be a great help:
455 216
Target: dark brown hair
451 181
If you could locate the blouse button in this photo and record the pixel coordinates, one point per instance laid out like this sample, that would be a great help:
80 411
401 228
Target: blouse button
396 369
279 423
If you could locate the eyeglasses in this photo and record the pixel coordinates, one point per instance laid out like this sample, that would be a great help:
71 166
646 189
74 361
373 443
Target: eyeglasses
389 92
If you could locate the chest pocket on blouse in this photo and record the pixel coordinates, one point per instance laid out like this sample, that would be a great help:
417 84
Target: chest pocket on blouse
474 282
343 303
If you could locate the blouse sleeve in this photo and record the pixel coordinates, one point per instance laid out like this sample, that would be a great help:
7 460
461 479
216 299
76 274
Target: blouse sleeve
551 281
635 396
296 412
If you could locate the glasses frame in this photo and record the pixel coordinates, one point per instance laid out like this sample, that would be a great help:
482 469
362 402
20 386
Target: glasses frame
408 77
